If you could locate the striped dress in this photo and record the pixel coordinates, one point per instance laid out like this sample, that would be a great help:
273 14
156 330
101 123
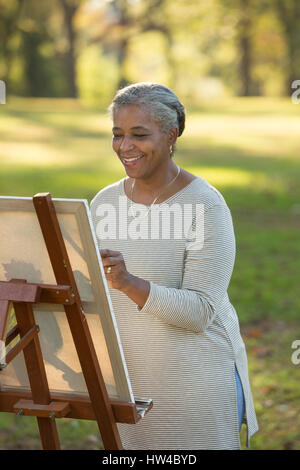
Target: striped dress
182 346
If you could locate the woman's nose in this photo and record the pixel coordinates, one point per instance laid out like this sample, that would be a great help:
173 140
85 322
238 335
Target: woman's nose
126 143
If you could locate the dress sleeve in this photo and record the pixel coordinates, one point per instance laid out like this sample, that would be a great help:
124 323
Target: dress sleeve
206 276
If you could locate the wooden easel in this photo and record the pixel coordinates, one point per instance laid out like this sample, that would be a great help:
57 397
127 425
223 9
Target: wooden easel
39 402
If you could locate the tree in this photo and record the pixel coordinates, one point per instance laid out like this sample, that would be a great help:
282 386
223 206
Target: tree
244 31
70 8
289 15
245 13
120 21
9 16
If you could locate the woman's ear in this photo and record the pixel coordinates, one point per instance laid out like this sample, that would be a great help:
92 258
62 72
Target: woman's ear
172 138
173 134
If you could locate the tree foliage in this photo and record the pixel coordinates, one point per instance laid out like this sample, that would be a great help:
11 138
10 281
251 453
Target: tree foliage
89 48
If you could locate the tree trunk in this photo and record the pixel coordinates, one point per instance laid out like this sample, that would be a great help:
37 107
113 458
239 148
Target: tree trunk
170 59
289 15
244 45
69 12
121 57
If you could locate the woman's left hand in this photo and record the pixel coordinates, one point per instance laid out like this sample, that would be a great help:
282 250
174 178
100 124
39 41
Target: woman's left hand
117 276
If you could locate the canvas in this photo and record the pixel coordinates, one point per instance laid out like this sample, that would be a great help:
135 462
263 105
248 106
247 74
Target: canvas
23 255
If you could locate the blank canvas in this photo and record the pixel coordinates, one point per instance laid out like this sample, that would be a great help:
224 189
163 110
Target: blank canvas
23 255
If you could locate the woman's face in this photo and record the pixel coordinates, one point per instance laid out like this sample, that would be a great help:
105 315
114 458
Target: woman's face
139 142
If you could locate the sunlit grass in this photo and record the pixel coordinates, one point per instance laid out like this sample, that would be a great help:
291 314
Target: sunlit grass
263 127
222 177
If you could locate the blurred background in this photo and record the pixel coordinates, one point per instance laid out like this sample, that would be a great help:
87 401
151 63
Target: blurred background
234 64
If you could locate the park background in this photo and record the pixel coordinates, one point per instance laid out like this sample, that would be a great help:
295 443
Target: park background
232 63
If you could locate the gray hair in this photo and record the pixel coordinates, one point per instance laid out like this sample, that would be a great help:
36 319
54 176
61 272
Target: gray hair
159 100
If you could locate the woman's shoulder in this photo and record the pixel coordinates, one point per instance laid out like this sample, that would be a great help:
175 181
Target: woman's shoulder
202 192
108 193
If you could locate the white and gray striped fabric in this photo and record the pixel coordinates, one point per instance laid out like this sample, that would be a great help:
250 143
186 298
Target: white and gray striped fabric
181 347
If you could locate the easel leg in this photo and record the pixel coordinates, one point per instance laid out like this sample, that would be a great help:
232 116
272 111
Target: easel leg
48 433
37 375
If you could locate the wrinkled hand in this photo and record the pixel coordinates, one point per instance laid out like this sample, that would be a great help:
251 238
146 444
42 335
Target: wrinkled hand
118 277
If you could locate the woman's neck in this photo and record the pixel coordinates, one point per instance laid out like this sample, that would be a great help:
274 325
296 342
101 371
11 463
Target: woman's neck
153 184
146 198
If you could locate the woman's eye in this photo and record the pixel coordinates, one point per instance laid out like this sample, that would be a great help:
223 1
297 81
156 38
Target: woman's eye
136 136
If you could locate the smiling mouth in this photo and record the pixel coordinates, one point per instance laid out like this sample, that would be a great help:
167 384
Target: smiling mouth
132 161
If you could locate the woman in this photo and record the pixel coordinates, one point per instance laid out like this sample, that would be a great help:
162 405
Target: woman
167 245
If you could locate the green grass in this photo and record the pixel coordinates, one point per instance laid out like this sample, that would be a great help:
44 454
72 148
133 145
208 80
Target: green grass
249 149
22 433
275 384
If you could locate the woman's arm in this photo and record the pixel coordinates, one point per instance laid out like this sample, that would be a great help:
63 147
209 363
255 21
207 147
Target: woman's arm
137 289
206 277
